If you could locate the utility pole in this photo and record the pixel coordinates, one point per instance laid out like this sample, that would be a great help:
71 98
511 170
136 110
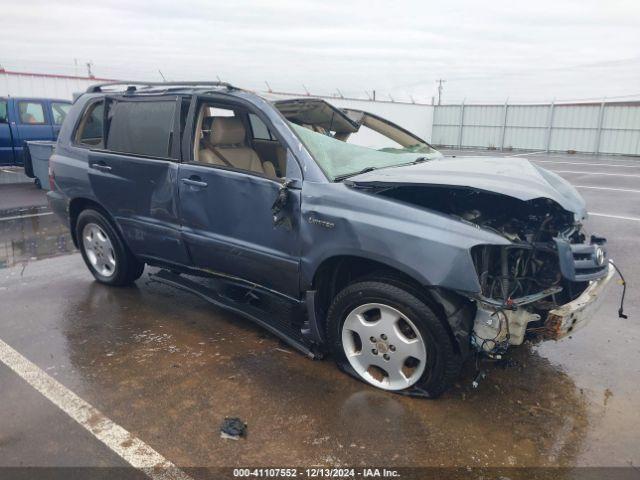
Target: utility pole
440 87
89 65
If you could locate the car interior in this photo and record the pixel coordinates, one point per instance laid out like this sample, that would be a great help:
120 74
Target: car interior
233 137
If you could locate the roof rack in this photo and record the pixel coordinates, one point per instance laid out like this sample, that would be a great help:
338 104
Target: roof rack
131 86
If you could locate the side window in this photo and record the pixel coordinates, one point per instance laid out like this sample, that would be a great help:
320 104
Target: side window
223 139
31 113
3 111
90 132
260 130
59 111
141 127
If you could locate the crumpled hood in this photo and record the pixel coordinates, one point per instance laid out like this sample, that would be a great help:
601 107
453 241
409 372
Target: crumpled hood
512 176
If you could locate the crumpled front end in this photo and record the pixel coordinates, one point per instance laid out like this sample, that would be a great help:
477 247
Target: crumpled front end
545 277
539 290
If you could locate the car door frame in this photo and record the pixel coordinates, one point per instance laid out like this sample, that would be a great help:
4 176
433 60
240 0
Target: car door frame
292 182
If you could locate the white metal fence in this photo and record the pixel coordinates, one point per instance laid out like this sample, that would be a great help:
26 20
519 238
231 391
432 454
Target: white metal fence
17 84
592 128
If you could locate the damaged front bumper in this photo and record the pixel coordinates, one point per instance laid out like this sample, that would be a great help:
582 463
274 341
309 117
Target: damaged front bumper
496 328
571 316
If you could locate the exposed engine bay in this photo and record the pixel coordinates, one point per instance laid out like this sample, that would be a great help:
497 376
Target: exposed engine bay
547 265
543 282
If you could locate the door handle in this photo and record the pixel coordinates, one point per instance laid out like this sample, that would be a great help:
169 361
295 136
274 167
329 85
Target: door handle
195 182
103 167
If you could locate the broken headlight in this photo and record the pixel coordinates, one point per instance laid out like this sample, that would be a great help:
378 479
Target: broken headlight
516 273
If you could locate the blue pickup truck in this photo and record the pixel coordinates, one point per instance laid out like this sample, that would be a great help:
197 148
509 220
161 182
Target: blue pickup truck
24 119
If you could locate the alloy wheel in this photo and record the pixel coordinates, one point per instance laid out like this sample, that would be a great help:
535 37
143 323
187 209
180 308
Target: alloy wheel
384 346
99 250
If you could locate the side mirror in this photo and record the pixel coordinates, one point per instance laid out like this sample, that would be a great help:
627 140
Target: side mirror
279 207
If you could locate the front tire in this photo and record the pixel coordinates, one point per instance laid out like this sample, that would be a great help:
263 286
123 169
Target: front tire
384 335
104 252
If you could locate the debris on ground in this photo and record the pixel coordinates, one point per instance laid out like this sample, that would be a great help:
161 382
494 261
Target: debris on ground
233 428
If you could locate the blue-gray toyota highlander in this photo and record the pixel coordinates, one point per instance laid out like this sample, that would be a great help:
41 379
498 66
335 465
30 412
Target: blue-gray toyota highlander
397 261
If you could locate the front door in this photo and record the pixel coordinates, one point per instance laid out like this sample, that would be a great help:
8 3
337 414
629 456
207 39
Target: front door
226 196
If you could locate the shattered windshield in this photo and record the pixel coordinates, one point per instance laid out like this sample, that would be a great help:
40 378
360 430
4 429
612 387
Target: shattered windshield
339 159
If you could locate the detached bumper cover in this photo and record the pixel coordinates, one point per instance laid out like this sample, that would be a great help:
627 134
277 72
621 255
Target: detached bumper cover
566 319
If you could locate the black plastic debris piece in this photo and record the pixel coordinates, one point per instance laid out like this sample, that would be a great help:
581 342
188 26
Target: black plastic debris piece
233 428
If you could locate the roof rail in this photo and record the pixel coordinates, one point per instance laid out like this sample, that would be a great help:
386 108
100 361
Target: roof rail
131 86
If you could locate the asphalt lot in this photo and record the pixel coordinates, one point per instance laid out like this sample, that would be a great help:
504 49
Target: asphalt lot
168 367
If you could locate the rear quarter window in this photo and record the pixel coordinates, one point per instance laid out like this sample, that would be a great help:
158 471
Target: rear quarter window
141 128
90 131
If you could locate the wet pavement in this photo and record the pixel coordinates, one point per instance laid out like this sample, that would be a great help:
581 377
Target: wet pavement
20 197
169 367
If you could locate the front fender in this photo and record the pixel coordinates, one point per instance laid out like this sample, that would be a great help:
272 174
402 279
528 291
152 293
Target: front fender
431 247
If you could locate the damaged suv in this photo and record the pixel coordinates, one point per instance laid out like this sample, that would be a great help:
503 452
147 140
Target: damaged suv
397 261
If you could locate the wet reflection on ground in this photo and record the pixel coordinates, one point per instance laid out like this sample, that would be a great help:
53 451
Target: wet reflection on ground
171 367
32 234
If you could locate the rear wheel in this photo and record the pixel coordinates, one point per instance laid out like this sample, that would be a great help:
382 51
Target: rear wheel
386 336
104 252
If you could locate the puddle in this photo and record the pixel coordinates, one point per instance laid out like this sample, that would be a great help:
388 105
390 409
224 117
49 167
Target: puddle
32 235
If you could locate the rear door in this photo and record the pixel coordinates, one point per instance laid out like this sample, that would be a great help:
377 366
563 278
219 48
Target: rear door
33 122
134 173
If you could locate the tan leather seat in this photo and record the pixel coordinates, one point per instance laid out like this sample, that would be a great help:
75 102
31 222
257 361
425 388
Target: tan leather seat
226 146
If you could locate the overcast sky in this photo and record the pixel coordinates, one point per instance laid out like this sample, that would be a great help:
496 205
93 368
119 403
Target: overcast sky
486 50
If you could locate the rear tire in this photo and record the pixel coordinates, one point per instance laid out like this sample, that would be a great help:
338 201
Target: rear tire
103 251
404 342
